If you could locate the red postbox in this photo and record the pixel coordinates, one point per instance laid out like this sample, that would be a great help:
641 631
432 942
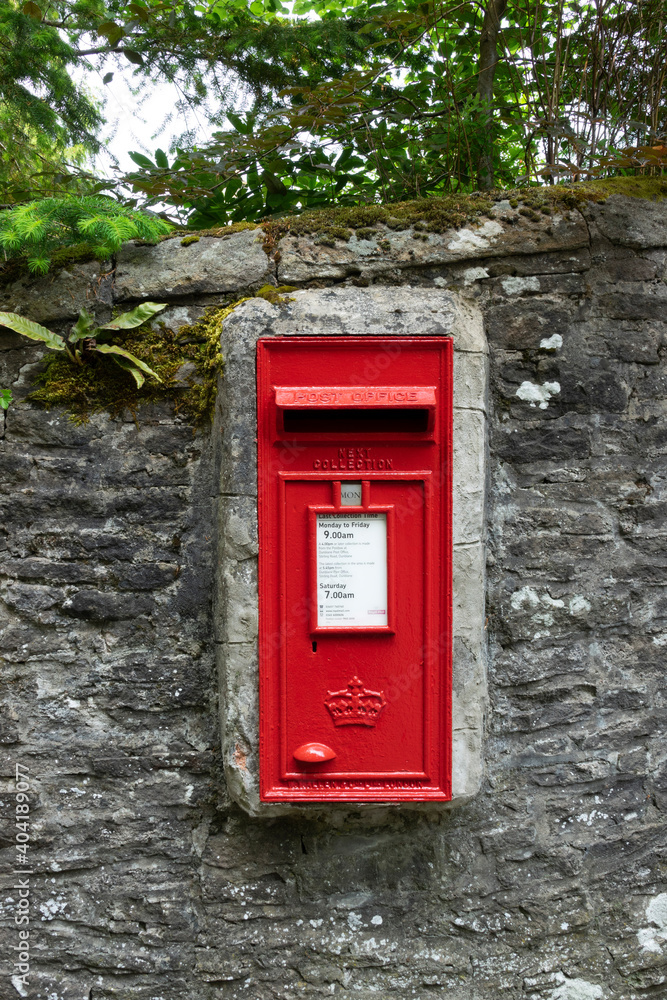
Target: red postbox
355 568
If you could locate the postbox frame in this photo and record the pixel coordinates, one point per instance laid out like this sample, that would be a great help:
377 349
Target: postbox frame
434 782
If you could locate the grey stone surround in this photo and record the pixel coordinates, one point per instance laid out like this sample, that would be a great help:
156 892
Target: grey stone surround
348 312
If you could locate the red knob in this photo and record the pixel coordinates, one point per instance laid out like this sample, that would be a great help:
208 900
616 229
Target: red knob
314 753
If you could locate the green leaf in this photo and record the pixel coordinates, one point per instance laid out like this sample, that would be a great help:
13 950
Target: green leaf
134 318
161 159
140 11
34 230
107 78
121 352
5 398
142 161
26 327
111 31
83 327
32 10
129 367
133 56
238 123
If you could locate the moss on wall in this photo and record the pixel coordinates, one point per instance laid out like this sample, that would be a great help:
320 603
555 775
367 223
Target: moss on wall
188 361
436 215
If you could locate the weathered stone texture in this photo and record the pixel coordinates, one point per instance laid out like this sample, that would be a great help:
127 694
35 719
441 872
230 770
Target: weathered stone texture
59 296
550 884
210 265
508 232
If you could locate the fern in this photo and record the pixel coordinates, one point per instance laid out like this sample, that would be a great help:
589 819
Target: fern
35 230
85 338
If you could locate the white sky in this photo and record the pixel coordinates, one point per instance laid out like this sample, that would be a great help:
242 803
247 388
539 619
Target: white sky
134 123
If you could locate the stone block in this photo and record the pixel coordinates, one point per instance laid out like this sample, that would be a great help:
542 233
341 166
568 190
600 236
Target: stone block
630 222
353 312
469 468
239 601
59 296
304 259
471 377
211 266
97 605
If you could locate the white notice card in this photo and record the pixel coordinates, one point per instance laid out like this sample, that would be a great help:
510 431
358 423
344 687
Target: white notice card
351 570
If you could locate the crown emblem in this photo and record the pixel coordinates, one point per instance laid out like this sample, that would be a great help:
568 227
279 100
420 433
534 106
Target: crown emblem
355 706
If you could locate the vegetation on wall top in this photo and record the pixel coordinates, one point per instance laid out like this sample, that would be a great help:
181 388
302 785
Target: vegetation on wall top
343 102
34 231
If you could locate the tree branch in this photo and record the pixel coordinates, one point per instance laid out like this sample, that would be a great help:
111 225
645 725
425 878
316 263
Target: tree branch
488 60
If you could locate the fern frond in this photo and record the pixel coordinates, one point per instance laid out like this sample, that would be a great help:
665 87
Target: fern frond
39 265
35 230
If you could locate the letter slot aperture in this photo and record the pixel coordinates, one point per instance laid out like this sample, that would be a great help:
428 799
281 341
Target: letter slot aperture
355 568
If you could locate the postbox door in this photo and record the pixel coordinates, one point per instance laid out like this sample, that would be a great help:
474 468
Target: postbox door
353 659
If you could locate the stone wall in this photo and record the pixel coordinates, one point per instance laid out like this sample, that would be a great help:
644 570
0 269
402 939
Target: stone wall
149 882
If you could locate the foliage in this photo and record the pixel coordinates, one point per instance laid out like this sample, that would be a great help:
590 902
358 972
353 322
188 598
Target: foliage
6 397
207 50
34 81
188 363
86 340
352 102
46 117
411 118
33 164
36 229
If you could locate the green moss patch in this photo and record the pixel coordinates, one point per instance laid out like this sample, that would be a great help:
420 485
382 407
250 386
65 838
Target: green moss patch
187 361
277 296
188 236
651 188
